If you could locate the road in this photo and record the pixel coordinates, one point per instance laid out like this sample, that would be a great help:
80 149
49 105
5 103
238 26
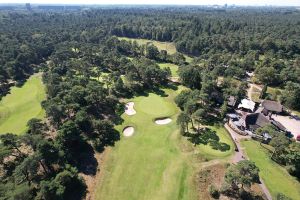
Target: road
240 155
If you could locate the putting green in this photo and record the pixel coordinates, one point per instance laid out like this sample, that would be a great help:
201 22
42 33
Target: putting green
21 105
150 164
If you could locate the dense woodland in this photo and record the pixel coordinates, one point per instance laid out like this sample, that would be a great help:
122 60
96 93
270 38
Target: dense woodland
87 70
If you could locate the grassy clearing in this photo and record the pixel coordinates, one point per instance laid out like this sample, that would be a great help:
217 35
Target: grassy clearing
21 105
255 94
275 177
148 165
210 153
173 67
168 46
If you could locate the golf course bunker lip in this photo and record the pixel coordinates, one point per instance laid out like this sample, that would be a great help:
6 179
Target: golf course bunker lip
163 121
128 131
129 110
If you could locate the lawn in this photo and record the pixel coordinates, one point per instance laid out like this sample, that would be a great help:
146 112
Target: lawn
21 105
210 153
149 164
275 177
173 68
168 46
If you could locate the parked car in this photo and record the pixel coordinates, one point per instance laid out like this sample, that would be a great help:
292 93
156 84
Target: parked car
298 138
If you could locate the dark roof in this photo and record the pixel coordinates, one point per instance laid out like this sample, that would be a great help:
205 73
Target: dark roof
256 120
231 101
279 125
272 105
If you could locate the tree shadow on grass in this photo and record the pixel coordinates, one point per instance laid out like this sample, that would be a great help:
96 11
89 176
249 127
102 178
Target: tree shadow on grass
207 136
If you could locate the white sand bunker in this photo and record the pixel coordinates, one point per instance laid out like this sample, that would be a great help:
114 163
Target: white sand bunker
163 121
128 131
129 110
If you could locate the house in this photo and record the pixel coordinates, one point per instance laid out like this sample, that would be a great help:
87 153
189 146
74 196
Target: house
247 105
256 120
270 107
231 101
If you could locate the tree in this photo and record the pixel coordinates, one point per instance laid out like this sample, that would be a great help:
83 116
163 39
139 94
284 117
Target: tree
183 120
199 116
152 52
190 76
243 174
291 95
12 142
280 144
35 126
27 170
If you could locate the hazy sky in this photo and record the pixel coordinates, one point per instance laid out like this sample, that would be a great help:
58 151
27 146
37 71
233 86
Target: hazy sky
185 2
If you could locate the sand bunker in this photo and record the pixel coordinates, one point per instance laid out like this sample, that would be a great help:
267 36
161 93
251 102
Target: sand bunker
129 110
163 121
128 131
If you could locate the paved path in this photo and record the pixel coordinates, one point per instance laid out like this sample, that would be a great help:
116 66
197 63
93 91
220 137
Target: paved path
239 155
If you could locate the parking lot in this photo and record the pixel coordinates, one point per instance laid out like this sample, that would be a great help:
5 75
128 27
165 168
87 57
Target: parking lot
290 123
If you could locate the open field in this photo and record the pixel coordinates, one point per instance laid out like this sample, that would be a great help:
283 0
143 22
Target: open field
168 46
275 177
21 105
173 67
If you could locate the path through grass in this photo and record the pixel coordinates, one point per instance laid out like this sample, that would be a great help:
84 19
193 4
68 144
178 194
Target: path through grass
275 177
21 105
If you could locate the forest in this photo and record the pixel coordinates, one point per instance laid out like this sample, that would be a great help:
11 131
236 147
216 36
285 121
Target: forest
87 70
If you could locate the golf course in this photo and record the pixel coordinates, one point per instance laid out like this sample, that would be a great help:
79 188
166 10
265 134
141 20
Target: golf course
22 104
275 177
150 163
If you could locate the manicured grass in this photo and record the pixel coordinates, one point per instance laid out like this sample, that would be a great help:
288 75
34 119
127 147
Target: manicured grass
149 164
173 68
210 153
21 105
168 46
275 177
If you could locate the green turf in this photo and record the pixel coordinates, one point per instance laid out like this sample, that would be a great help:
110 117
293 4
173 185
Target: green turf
168 46
21 105
275 177
210 153
173 68
148 165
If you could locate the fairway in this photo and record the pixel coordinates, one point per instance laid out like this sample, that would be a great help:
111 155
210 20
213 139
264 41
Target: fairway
275 177
173 68
21 105
167 46
148 165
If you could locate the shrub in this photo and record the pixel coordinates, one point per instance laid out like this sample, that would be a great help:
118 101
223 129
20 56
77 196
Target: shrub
214 192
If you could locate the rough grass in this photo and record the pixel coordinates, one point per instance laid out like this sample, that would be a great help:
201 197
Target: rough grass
168 46
21 105
275 177
173 68
150 164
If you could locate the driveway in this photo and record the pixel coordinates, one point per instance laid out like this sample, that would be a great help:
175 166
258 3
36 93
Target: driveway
291 124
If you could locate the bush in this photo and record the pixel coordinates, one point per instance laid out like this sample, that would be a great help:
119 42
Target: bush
214 192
